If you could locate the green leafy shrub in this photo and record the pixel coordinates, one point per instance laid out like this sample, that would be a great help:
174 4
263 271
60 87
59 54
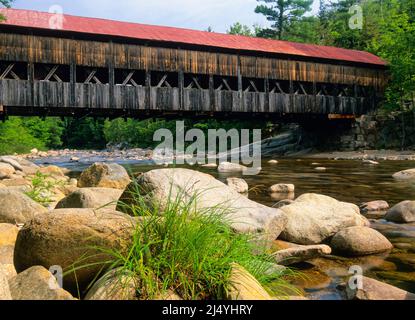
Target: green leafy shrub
16 138
41 189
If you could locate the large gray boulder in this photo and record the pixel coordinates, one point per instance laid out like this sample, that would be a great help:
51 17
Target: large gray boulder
104 175
73 238
374 206
360 241
15 207
37 283
314 218
403 212
243 215
93 198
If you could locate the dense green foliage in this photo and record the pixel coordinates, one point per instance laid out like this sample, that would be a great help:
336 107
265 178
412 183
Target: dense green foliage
281 13
16 137
5 3
20 135
388 30
41 189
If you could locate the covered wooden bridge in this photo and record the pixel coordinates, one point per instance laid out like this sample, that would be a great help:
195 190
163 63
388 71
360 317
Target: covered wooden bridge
75 66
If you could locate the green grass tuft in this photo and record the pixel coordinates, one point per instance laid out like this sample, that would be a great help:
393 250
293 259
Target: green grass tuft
190 252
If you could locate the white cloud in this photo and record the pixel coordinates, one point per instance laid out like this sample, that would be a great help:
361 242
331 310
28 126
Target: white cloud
195 14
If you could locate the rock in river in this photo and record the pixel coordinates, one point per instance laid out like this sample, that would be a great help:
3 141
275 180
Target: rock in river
104 175
226 167
72 237
360 241
375 290
93 198
282 188
372 206
403 212
244 215
300 253
239 185
15 207
405 175
313 218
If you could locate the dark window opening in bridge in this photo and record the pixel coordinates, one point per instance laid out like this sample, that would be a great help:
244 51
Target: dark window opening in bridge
345 91
253 85
226 83
196 81
124 77
51 72
325 89
305 88
13 70
164 79
92 75
279 86
363 91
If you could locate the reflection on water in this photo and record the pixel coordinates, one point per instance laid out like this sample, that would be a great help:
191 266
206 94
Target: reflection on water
350 181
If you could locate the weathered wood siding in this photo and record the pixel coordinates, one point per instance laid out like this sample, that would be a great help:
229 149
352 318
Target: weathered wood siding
39 49
94 96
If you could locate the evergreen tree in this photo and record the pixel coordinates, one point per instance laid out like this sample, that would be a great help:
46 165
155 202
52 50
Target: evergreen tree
282 12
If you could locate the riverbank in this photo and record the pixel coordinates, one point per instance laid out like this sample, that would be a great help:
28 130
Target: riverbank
324 273
147 155
375 155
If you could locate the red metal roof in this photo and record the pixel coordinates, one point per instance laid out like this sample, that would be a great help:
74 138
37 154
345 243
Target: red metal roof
40 20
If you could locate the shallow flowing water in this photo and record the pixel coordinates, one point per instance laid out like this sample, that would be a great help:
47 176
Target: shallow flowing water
350 181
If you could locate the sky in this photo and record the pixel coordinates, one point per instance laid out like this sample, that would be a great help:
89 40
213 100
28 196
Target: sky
193 14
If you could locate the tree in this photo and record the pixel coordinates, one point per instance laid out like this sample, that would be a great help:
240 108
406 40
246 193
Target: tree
5 3
241 29
282 12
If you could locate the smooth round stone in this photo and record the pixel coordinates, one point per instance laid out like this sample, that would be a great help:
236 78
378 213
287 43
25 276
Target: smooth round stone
360 241
273 162
282 188
405 175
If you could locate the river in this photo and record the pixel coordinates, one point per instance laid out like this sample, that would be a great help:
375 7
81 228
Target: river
350 181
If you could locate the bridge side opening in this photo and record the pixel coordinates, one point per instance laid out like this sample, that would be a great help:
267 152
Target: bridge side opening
13 70
127 77
88 75
51 72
